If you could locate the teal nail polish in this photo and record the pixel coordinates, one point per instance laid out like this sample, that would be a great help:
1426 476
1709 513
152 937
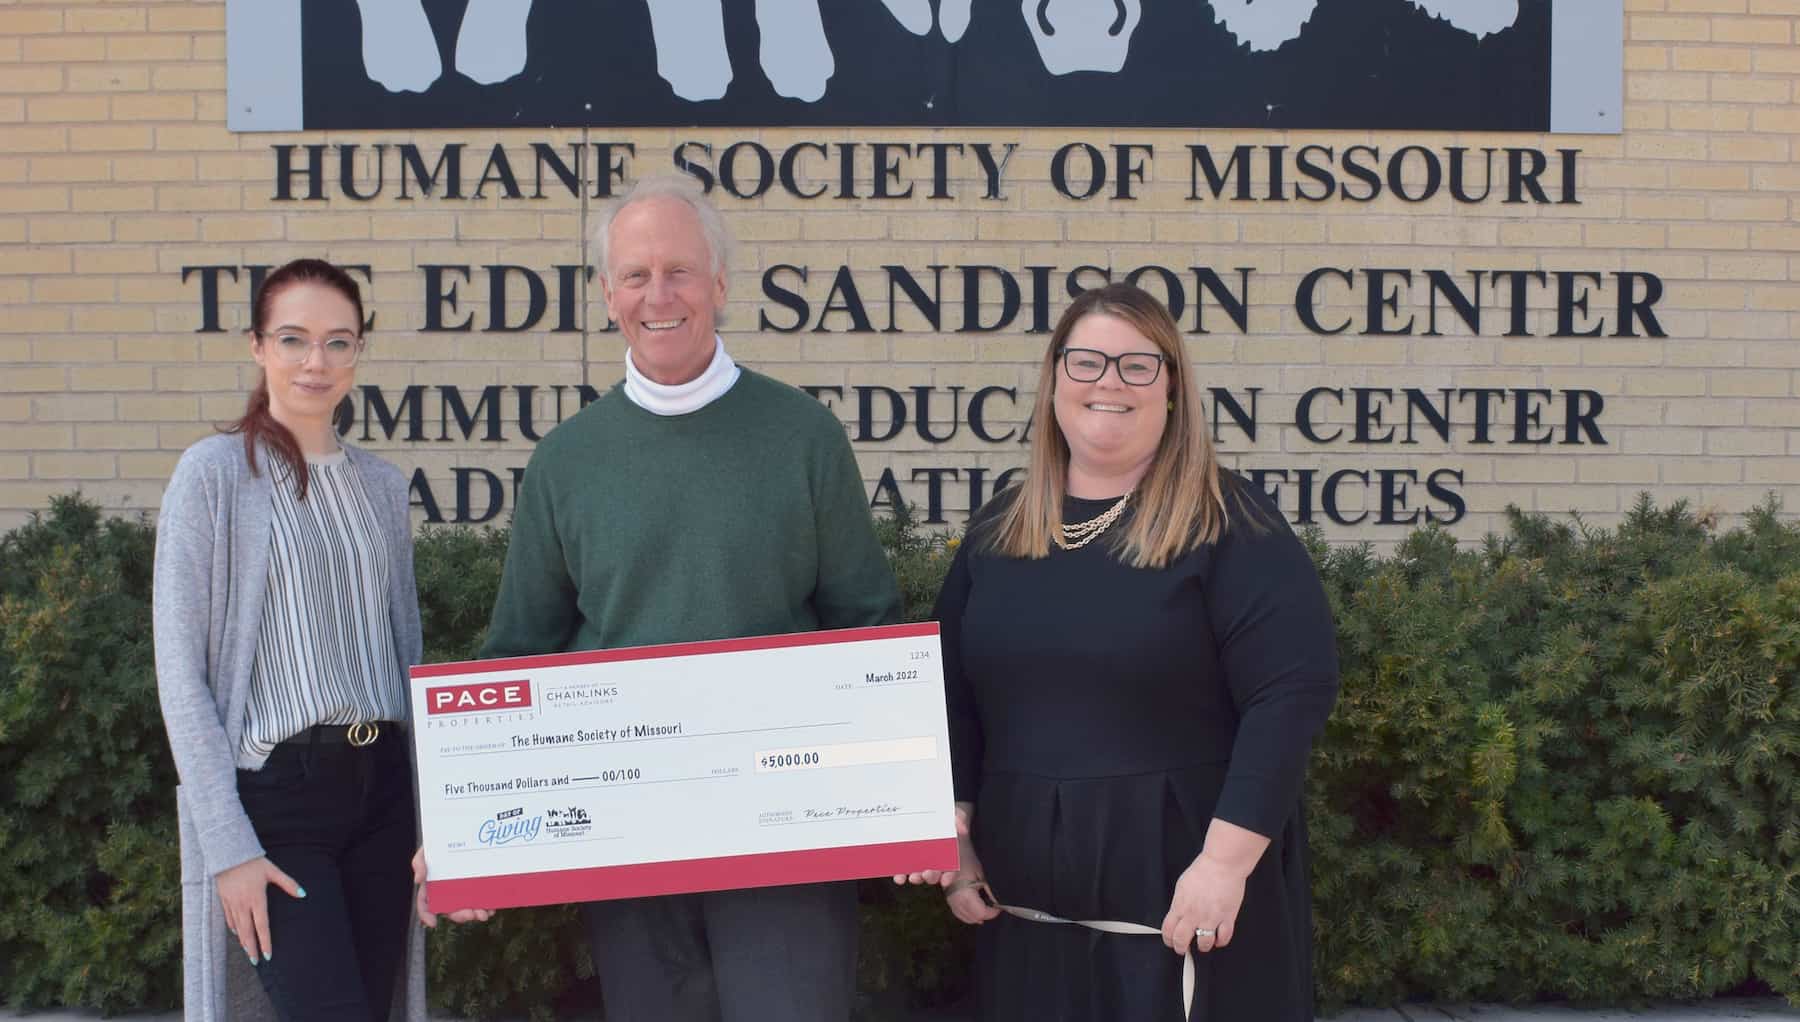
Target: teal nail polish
250 956
302 890
268 956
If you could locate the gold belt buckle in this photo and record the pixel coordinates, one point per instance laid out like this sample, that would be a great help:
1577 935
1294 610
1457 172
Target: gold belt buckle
363 733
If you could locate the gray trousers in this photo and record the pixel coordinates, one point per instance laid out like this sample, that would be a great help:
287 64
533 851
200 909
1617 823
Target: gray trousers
750 955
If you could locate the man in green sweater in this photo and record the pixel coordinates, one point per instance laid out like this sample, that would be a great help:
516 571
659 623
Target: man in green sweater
698 500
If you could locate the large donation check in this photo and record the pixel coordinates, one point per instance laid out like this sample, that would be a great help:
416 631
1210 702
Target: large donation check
690 767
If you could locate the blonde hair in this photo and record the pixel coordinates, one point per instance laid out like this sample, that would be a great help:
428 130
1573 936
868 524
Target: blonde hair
1177 506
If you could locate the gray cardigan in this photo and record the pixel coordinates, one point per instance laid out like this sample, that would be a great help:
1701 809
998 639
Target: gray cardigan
212 564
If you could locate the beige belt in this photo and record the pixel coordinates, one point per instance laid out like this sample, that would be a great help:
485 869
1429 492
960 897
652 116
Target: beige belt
1112 926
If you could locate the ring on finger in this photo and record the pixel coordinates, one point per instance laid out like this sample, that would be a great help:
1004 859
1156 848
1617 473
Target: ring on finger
1201 933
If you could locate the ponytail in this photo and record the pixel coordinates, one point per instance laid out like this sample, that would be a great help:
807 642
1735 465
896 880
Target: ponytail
260 427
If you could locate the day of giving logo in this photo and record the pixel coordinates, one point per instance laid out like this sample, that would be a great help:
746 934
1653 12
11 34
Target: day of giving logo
509 826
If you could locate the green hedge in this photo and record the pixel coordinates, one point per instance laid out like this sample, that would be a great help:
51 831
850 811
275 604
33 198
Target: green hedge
1563 765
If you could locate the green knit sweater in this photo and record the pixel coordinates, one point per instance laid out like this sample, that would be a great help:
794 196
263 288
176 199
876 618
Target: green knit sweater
746 517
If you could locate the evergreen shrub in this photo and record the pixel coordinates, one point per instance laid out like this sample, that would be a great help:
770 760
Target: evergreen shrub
1563 765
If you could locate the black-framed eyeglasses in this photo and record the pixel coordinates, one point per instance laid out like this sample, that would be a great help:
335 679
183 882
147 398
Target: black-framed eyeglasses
1138 368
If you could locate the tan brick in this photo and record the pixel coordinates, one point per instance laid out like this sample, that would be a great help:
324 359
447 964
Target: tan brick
1739 443
190 18
30 20
156 408
110 138
109 18
37 139
114 436
198 137
66 110
1685 470
1751 90
1772 470
1764 31
114 198
37 437
1646 58
162 229
1777 60
1738 59
110 378
61 49
154 107
84 78
148 465
1646 28
188 78
74 466
1708 117
1764 237
1768 149
59 230
1617 469
1724 236
1776 119
115 259
1746 383
108 319
70 169
1707 7
1774 414
1662 441
209 198
34 260
1665 382
15 466
1709 177
31 78
150 48
1532 234
1665 206
1746 267
1197 230
33 379
1627 235
72 289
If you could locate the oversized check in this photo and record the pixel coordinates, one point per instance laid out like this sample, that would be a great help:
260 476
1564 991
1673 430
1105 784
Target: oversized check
690 767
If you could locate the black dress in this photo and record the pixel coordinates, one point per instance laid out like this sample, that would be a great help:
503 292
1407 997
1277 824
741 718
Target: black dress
1100 716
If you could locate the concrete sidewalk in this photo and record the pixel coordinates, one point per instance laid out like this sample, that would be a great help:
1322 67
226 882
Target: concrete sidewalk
1759 1009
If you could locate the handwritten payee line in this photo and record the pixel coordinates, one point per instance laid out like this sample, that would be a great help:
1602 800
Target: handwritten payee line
648 738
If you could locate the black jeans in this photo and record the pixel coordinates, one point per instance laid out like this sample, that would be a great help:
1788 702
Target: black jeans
339 820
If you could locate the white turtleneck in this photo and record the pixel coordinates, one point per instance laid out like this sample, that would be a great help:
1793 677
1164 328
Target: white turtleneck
682 398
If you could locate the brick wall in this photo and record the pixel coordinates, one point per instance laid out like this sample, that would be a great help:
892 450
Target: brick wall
117 172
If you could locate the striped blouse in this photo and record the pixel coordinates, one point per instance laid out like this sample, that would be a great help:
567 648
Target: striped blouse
325 653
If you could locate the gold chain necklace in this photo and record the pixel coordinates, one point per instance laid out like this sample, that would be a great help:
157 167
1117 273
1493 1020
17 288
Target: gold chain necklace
1080 534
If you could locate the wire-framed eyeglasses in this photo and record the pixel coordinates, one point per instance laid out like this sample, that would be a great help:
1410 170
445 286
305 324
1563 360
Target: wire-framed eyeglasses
1138 368
339 351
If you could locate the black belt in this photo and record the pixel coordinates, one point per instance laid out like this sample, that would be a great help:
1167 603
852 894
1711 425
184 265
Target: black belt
362 733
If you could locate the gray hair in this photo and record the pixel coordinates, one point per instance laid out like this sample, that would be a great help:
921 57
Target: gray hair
666 186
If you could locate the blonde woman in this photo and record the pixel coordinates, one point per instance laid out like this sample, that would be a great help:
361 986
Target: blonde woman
1137 655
